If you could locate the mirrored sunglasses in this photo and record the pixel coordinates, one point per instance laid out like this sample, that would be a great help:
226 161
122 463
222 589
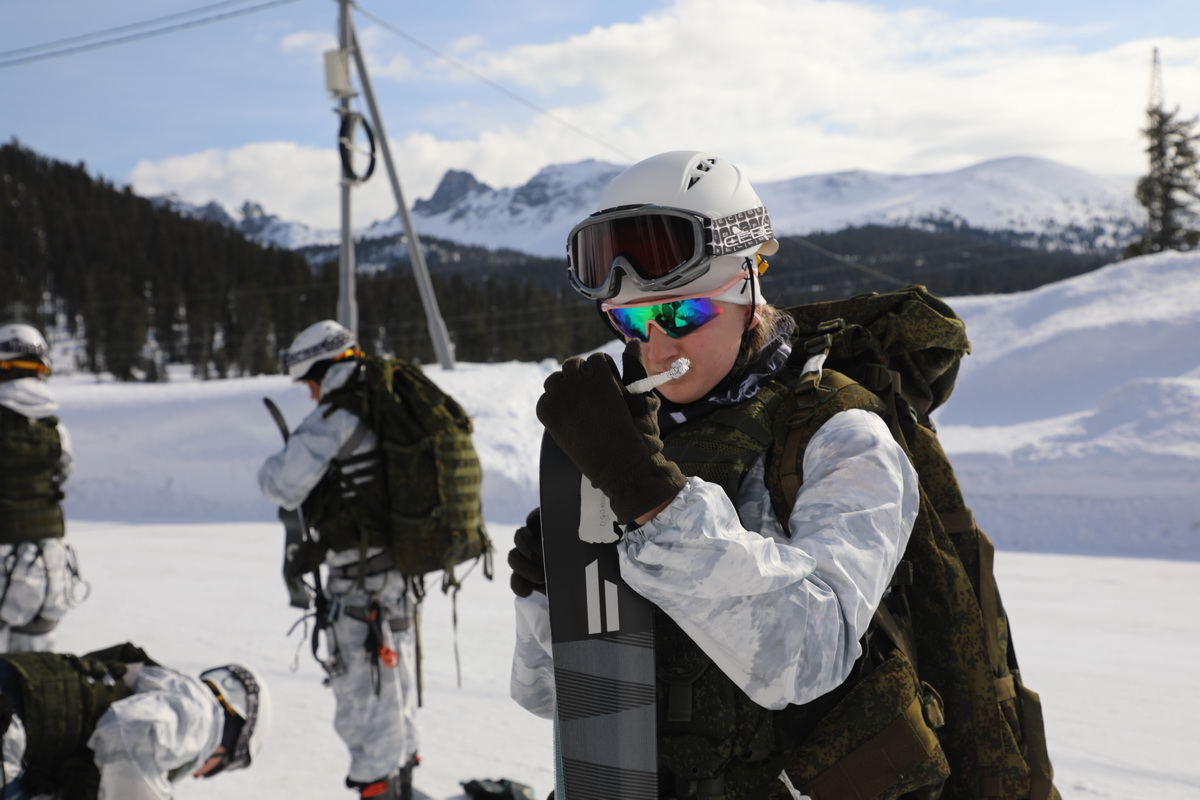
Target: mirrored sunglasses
675 318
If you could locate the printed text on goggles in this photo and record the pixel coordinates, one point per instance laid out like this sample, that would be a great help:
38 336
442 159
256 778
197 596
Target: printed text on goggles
656 247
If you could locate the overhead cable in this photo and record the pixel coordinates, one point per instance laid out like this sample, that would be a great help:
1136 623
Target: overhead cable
12 58
883 276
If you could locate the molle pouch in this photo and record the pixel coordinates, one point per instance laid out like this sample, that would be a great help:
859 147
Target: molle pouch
878 742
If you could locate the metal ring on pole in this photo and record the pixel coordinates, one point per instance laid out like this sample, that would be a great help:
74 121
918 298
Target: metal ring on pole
346 147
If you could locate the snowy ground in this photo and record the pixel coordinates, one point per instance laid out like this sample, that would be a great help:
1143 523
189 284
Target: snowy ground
1075 429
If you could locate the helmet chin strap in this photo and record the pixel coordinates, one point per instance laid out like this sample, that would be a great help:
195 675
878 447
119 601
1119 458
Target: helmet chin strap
743 356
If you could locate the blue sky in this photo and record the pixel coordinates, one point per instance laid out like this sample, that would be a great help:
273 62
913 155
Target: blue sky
237 110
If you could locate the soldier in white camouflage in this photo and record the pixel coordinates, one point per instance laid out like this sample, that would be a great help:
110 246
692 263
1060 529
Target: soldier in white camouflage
114 724
327 468
763 610
39 576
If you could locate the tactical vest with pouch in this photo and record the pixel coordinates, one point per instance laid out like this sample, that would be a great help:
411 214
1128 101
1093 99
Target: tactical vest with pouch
715 743
30 478
62 697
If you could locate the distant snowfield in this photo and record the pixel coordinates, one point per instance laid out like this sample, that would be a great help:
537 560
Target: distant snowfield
1075 430
1075 424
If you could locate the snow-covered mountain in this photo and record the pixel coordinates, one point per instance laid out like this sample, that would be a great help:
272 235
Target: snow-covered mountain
253 222
1048 203
1044 203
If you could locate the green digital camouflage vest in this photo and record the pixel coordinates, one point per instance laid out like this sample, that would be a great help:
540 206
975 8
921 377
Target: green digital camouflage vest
423 503
935 706
30 478
62 697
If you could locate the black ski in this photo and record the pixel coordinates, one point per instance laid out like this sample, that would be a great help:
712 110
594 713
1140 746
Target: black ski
603 640
293 526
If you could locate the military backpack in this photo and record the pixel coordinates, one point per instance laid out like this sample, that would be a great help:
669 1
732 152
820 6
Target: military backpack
944 611
936 706
425 497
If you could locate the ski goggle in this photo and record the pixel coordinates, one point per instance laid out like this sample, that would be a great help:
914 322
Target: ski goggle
657 247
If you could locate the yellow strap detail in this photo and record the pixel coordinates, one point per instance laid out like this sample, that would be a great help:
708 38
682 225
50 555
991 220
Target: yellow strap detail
36 366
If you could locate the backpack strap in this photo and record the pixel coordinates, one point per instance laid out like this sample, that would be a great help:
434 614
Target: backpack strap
818 395
1003 657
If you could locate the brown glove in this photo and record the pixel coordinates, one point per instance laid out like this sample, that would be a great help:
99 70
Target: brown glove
526 559
611 435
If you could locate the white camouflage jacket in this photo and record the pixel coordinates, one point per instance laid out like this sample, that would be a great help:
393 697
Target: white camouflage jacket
167 728
288 477
781 617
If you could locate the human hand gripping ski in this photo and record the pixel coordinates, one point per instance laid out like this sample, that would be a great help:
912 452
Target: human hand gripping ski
601 464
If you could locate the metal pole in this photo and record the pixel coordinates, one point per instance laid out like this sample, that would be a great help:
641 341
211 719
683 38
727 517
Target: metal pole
347 306
442 346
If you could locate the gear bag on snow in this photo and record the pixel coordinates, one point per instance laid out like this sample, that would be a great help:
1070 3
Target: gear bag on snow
498 789
936 705
425 499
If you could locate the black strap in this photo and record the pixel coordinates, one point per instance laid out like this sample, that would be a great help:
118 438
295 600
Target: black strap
380 562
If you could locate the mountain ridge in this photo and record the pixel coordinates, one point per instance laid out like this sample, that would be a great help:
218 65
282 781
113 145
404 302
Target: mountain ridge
1043 203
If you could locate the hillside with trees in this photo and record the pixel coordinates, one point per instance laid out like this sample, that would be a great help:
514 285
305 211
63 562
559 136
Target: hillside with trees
142 286
950 260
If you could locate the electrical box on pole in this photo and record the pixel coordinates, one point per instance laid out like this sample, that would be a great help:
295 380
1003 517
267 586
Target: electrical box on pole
337 74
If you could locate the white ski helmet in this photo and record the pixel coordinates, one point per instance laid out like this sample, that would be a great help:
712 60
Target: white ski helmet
242 693
20 342
322 341
686 218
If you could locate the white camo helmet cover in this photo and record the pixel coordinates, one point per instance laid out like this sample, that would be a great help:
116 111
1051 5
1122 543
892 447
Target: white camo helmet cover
246 696
693 180
18 341
318 342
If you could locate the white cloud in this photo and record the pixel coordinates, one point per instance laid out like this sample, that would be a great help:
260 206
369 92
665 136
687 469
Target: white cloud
467 43
301 183
790 87
783 87
289 180
311 42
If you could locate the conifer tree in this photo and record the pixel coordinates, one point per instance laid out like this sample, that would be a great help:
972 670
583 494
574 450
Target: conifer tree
1172 185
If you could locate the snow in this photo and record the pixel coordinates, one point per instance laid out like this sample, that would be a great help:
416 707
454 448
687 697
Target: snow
1075 429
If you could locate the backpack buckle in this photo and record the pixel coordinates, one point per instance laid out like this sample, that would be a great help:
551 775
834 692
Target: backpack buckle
832 326
818 344
876 377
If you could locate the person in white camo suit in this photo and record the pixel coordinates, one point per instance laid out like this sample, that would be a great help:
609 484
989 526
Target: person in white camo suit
115 725
376 698
673 258
39 574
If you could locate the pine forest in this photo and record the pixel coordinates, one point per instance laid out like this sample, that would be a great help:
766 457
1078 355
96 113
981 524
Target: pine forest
140 286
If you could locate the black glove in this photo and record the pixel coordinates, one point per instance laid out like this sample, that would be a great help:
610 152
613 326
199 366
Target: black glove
528 564
611 435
